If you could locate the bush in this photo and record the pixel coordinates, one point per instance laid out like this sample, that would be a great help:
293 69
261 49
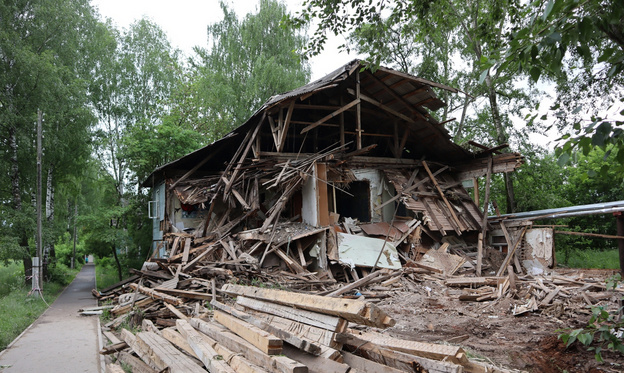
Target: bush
576 258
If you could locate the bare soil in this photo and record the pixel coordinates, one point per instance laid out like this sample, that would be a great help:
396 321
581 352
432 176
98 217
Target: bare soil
432 312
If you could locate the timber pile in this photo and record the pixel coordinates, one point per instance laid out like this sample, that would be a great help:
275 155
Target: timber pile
269 330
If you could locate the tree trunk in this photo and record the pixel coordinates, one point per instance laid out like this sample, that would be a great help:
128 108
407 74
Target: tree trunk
501 138
49 207
620 232
118 263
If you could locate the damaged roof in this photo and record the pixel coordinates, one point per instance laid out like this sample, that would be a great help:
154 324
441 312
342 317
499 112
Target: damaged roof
394 107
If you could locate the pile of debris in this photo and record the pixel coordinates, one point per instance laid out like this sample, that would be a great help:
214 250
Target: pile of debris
270 330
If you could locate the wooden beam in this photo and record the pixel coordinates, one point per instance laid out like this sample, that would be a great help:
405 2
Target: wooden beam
275 364
212 360
329 116
383 107
608 236
192 170
511 253
264 341
285 335
316 364
164 354
319 320
357 311
284 129
358 115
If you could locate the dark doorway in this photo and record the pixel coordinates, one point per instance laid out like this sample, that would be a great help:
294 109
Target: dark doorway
356 206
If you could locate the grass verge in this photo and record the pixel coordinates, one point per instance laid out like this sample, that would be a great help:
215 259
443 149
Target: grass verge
18 309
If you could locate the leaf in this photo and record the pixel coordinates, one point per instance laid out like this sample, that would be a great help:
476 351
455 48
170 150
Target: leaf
549 8
535 73
585 338
484 73
563 159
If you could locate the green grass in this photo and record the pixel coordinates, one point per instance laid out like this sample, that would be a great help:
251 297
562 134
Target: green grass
18 309
106 275
608 259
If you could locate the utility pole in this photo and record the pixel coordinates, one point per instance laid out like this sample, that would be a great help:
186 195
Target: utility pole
37 283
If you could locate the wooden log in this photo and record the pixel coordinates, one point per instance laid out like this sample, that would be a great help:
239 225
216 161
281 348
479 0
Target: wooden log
361 282
352 310
264 341
286 336
136 364
204 352
275 364
157 295
319 320
316 364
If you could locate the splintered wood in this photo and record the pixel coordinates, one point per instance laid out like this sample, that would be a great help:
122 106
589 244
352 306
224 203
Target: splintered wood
269 330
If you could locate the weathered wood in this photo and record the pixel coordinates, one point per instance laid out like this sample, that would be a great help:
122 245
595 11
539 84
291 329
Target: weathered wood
119 310
511 253
190 265
397 359
111 337
111 349
275 364
361 282
204 352
185 253
114 368
176 312
264 341
164 354
286 336
149 326
448 204
157 295
352 310
479 254
131 340
316 364
319 320
306 332
185 293
428 350
362 365
137 365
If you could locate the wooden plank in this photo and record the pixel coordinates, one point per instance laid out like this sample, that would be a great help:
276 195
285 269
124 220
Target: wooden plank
310 333
428 350
362 365
204 352
111 337
111 349
186 293
128 307
511 253
319 320
137 365
356 311
176 312
275 364
131 340
174 247
302 344
264 341
284 131
199 257
187 248
164 354
458 224
399 360
157 295
361 282
315 364
479 254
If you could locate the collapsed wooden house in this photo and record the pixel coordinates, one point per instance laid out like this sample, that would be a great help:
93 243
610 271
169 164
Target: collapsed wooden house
352 171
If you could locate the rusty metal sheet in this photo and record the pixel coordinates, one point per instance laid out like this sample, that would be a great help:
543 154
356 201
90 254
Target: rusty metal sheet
382 229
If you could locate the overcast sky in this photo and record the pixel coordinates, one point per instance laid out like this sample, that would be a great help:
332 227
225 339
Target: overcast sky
185 23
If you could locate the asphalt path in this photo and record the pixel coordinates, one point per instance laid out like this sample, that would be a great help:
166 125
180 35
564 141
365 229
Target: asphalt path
61 340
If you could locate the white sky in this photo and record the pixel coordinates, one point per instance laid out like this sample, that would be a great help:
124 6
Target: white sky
185 23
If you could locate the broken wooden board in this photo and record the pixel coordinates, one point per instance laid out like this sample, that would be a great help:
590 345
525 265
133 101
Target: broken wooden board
204 352
364 251
229 340
286 336
320 320
440 259
137 365
356 311
316 364
264 341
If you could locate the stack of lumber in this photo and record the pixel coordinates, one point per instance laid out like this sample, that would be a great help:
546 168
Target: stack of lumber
270 330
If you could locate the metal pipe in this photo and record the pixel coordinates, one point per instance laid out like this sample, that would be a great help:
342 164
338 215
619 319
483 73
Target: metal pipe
581 210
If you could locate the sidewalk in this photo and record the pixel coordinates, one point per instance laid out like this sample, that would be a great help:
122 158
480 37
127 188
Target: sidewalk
60 340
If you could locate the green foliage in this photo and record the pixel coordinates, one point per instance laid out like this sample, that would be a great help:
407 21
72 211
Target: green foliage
603 329
568 255
249 61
